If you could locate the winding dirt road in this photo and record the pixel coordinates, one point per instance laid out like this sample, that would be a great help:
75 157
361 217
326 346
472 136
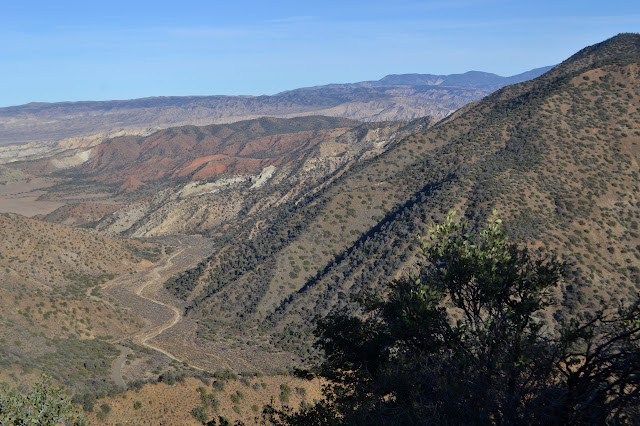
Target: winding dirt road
154 277
159 316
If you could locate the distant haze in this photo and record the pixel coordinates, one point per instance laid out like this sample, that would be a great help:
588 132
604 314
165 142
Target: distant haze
394 97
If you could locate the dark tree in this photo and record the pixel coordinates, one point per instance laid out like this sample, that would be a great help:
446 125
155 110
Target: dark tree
464 341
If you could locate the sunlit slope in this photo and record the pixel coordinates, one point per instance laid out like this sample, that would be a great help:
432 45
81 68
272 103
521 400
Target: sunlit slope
52 319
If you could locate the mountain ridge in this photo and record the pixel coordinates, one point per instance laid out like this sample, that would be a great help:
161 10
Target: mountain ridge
476 79
364 101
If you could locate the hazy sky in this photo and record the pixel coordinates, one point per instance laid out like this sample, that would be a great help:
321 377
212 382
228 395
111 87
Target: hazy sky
112 49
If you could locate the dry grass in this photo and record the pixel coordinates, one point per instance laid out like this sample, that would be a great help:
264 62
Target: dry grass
162 404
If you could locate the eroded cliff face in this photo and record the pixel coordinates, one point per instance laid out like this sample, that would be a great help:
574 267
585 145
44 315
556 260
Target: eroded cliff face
223 189
195 179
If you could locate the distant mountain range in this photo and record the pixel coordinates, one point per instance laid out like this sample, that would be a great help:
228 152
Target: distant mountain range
469 79
394 97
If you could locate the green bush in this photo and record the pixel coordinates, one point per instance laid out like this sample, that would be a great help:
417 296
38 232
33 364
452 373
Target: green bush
44 404
200 415
285 392
237 397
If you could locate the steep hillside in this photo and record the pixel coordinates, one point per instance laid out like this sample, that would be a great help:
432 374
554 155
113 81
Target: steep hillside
59 258
557 158
391 98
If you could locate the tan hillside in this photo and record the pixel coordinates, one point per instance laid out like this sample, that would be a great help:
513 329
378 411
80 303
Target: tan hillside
57 257
80 214
235 399
52 316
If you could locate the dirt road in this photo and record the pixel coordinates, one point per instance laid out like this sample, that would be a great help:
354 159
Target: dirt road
139 293
155 277
116 367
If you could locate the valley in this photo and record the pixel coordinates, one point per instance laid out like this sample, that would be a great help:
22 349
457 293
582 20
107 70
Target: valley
175 259
22 197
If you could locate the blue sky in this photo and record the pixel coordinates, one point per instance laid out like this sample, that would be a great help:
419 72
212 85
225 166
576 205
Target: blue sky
96 50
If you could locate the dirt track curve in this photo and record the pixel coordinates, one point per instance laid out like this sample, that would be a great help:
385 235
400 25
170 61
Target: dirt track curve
154 277
137 294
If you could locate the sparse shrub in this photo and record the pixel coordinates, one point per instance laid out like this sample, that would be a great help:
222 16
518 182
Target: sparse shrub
237 397
301 391
285 392
200 415
225 374
168 378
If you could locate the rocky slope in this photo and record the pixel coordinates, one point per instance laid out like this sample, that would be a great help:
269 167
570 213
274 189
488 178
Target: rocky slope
195 179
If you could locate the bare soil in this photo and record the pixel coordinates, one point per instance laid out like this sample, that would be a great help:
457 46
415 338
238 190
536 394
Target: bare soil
22 197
